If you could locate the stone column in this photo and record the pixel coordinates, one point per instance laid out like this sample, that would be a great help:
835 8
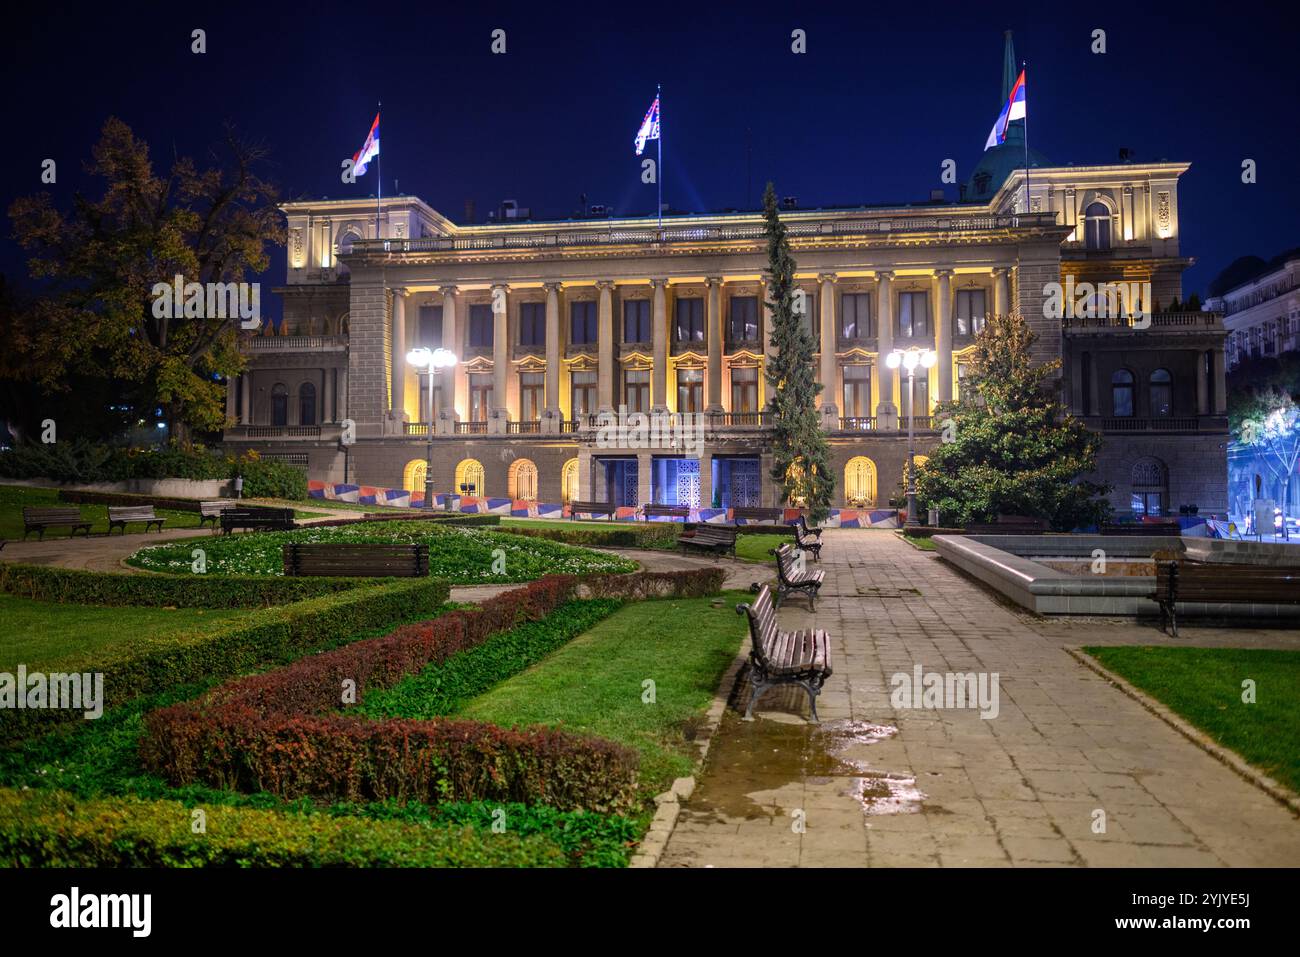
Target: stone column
342 400
500 414
886 411
713 325
1001 290
706 480
246 385
232 383
605 347
659 374
453 377
644 486
769 350
397 397
828 372
943 334
551 414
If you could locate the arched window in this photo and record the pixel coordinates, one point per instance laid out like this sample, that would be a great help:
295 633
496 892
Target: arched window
522 480
1121 393
1150 488
469 477
307 404
1096 226
1162 393
860 482
569 481
413 475
279 404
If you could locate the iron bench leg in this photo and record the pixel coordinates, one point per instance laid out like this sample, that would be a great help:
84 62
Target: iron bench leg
756 687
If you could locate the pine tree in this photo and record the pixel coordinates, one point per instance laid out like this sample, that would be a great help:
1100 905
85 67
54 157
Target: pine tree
1010 447
801 464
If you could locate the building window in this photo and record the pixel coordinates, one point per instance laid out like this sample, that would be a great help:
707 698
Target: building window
860 482
429 335
480 396
690 320
855 315
279 404
921 393
636 320
584 393
307 404
913 314
1162 397
971 312
582 323
1096 226
532 323
857 391
1150 492
480 326
569 481
469 477
521 480
423 412
744 389
532 388
807 313
744 318
690 390
1121 393
636 390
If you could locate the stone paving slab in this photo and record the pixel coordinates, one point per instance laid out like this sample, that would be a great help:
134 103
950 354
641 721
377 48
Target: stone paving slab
880 786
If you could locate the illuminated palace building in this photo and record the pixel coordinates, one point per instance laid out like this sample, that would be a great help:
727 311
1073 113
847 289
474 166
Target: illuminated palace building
594 314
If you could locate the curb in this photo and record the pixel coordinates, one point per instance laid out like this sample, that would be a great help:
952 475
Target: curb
669 803
1279 792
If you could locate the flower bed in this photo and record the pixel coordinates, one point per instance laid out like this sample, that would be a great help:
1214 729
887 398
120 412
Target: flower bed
458 555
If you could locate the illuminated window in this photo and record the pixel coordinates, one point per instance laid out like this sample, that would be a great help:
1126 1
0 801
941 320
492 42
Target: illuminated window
1161 392
855 315
690 390
857 391
744 389
1121 393
913 314
469 477
523 480
860 482
744 318
971 312
569 481
690 320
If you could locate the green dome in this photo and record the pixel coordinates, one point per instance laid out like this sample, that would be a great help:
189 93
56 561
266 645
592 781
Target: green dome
998 163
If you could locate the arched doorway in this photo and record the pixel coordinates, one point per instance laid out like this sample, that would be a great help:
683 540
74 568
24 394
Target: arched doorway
569 481
469 477
413 475
522 480
860 482
1150 493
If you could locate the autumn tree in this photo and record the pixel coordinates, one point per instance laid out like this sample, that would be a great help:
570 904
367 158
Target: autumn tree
99 260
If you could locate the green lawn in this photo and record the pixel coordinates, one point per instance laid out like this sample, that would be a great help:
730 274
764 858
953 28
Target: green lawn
755 547
38 633
924 542
14 497
1204 686
596 683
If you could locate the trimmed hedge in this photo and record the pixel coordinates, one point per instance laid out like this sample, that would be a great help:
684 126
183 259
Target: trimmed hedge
263 638
282 731
72 586
78 497
440 518
690 583
655 535
53 829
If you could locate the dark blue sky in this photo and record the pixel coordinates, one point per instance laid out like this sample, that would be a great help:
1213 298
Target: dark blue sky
867 115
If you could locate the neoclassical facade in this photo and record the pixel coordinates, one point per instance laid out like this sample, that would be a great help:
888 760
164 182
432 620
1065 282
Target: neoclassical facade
1262 316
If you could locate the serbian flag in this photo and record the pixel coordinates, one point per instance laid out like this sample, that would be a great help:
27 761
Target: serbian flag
369 149
649 126
1013 109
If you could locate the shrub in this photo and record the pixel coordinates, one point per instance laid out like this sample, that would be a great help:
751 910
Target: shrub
79 587
51 829
78 497
270 478
690 583
660 535
265 637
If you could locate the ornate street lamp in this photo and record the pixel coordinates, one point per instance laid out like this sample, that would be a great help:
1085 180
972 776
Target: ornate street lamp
430 360
909 359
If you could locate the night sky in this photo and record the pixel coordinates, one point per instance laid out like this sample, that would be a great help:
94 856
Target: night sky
866 116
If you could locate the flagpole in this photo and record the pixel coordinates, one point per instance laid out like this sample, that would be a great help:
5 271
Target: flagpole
659 178
1024 67
379 157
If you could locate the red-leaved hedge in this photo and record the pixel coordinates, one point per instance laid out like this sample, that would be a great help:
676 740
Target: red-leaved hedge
287 732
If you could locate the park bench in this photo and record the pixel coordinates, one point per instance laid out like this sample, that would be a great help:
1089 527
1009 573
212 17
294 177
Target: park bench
665 511
257 519
783 657
1009 525
39 519
211 511
356 561
791 576
809 530
593 508
752 513
118 517
808 542
718 539
1171 528
1184 581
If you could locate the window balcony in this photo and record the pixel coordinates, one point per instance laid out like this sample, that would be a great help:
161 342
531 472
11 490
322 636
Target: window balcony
295 432
525 427
1158 423
857 423
255 344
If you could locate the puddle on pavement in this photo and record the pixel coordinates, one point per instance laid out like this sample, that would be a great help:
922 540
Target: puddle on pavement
750 760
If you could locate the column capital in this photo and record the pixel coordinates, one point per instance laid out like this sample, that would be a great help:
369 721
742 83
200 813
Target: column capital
503 286
658 283
943 272
448 290
825 277
604 284
554 286
884 275
712 281
400 291
1001 270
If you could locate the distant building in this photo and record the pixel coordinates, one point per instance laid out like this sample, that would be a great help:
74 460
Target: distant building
1262 315
594 316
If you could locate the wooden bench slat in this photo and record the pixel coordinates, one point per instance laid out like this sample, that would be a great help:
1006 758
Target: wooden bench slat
776 657
38 519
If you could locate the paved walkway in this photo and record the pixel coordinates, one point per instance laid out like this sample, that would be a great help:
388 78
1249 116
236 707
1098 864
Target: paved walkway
879 786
